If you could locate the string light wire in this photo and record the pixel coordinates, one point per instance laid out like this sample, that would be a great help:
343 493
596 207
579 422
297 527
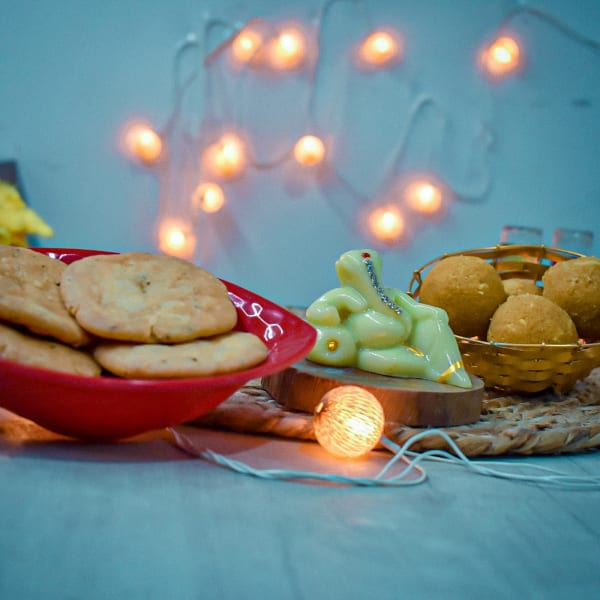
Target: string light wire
559 25
487 468
411 460
180 87
182 442
206 58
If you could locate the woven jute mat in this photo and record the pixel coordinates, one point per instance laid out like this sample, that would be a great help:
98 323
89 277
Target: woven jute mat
545 423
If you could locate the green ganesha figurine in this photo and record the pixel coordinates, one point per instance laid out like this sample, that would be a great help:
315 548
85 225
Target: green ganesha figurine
382 330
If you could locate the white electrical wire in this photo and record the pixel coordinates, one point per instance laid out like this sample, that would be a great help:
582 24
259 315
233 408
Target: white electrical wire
400 453
487 468
185 444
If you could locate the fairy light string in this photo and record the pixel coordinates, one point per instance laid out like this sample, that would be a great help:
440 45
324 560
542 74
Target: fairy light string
412 464
175 195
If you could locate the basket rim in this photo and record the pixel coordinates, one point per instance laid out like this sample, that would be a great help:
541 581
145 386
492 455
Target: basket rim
579 345
499 251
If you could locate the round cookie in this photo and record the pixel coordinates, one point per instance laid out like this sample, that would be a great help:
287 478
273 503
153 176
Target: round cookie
575 286
233 351
531 319
517 285
149 298
468 288
30 296
36 352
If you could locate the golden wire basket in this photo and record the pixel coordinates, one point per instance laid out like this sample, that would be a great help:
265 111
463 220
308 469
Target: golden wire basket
521 367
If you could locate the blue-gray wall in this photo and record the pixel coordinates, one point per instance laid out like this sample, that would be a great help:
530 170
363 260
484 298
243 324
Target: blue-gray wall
521 151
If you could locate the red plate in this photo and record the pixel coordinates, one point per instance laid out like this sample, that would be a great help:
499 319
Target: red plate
112 408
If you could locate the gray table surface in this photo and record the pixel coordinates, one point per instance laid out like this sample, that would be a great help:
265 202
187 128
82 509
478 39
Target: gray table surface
141 519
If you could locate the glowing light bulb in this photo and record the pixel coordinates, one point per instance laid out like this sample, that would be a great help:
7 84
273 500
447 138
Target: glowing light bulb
380 48
288 49
209 197
424 196
246 44
501 57
176 239
144 143
386 223
309 150
226 157
348 421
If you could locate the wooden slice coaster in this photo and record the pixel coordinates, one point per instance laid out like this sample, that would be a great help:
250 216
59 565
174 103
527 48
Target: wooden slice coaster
413 402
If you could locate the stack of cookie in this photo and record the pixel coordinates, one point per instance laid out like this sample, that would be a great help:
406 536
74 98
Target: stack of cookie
134 315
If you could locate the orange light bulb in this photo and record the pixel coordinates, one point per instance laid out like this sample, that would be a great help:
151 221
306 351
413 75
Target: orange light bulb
348 421
209 197
501 57
380 48
246 44
424 197
309 150
144 143
176 239
386 223
226 157
288 49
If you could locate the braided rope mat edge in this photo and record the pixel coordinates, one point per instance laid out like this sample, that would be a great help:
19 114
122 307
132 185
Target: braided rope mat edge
547 423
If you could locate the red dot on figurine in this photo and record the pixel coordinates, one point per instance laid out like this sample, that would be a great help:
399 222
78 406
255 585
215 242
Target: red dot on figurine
366 255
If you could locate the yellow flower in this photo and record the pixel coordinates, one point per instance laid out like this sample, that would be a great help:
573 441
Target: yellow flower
17 220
